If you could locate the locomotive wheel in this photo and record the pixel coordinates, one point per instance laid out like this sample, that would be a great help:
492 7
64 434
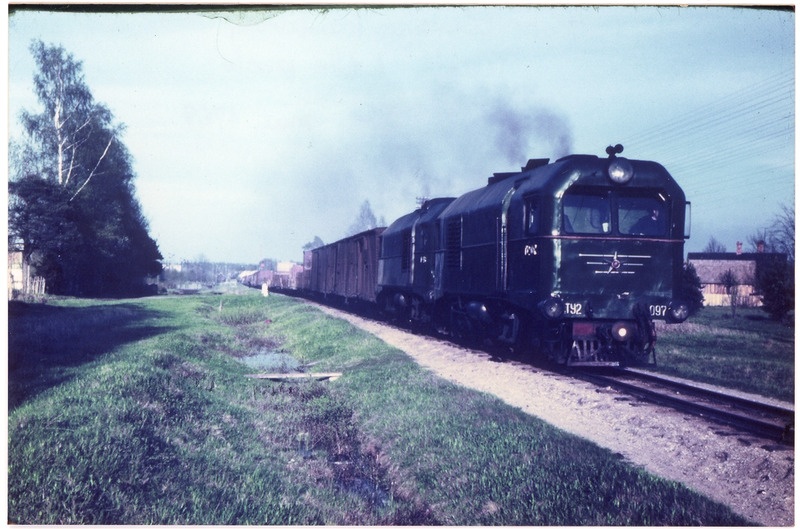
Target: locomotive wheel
515 335
420 317
510 327
462 328
556 351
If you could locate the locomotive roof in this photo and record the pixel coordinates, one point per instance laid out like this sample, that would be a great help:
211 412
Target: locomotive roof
552 179
428 210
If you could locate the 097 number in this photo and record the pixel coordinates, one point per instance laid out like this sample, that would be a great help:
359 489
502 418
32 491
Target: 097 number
658 310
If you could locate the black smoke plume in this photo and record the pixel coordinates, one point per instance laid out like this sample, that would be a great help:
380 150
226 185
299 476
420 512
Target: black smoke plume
534 133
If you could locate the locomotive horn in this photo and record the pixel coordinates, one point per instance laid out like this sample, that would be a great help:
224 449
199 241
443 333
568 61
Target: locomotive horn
612 151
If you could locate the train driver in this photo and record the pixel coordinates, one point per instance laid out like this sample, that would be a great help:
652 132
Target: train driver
649 225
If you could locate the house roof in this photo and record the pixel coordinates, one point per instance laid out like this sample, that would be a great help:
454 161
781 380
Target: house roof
711 266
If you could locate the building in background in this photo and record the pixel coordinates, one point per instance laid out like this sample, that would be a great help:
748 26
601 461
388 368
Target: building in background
22 284
712 269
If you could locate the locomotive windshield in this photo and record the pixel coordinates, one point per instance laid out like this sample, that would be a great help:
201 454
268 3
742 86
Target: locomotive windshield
642 216
591 214
587 214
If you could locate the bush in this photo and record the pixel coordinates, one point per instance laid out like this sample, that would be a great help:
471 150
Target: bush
776 284
691 290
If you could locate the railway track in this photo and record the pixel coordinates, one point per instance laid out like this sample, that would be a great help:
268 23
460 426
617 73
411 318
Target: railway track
763 417
766 418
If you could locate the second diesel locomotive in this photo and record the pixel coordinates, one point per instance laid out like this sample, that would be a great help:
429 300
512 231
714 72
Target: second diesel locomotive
574 258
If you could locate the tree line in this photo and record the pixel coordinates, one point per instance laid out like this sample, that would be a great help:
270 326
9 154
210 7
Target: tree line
72 207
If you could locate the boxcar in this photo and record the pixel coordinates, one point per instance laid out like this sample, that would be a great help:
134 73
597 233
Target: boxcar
346 269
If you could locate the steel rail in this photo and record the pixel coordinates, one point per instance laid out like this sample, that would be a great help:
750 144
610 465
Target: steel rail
773 421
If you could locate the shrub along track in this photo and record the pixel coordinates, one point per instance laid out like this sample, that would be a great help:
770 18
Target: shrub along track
753 476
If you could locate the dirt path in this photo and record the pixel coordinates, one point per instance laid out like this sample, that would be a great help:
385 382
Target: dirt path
753 476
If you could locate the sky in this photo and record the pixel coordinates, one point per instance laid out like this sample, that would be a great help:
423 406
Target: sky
253 131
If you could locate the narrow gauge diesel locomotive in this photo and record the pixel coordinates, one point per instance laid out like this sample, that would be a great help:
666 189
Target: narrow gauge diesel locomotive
575 259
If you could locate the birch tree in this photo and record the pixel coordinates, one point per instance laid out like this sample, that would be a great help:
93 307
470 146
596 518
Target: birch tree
69 140
71 197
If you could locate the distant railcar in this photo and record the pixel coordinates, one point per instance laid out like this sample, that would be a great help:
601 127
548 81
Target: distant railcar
255 278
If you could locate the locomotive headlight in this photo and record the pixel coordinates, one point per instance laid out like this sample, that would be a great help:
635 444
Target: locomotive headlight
678 312
620 170
622 331
552 307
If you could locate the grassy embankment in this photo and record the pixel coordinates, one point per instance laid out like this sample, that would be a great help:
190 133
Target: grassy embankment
138 412
749 352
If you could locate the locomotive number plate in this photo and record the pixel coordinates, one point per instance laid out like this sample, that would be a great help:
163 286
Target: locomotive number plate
573 309
658 310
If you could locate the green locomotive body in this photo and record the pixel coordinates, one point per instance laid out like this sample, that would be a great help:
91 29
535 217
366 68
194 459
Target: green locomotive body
575 258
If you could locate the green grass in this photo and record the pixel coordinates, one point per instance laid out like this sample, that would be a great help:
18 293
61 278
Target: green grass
749 353
138 412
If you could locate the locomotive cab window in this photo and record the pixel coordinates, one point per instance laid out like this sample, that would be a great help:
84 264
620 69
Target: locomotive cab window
531 217
643 216
588 214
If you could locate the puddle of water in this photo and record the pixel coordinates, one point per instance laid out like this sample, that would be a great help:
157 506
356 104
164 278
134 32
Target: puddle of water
368 490
351 479
271 361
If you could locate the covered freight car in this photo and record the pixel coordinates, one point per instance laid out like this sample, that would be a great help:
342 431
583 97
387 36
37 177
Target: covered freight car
346 269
